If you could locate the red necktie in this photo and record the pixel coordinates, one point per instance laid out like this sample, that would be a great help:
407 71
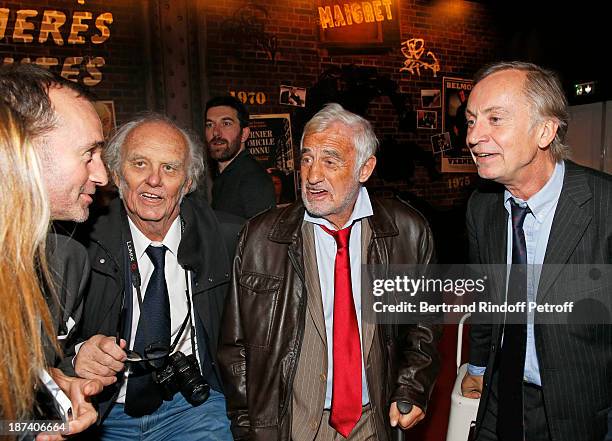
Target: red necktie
346 389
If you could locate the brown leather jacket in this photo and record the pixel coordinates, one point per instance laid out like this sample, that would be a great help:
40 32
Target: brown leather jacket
263 322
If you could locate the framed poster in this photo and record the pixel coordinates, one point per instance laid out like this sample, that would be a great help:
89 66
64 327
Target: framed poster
427 119
106 112
292 96
440 143
270 142
430 98
455 92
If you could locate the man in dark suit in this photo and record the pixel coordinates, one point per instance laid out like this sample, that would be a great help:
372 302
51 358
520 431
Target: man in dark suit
535 381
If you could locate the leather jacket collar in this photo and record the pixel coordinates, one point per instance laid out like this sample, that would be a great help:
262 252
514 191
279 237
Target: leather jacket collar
287 225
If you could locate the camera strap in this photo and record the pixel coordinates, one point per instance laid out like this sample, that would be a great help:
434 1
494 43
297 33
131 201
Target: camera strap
136 281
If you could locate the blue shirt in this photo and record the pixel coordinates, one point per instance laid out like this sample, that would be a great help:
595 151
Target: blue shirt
537 228
325 246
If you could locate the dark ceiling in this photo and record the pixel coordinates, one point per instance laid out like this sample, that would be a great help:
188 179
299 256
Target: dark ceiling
571 38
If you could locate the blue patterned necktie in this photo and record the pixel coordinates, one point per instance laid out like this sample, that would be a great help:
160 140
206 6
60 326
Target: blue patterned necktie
143 395
512 358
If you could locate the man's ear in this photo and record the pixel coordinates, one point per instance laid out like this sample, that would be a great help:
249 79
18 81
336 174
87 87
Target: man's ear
246 131
116 179
366 169
547 133
187 186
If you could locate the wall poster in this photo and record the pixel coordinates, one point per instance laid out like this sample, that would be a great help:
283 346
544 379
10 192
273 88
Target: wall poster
270 142
455 92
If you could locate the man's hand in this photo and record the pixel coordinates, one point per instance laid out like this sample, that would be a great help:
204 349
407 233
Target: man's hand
405 421
471 386
100 358
79 391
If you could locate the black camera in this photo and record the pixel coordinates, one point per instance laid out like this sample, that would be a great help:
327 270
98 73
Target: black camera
182 373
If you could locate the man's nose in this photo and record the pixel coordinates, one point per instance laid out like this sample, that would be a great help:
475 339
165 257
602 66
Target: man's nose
476 134
315 173
97 172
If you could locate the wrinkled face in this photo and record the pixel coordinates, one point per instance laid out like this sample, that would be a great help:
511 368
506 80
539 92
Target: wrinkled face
71 156
507 145
224 136
330 184
154 162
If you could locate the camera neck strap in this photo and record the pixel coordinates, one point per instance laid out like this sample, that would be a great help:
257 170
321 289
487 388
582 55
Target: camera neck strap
136 281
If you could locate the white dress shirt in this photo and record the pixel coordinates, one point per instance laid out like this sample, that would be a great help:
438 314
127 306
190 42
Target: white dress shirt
325 246
175 280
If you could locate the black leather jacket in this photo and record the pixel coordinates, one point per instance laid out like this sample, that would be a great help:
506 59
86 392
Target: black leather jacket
263 322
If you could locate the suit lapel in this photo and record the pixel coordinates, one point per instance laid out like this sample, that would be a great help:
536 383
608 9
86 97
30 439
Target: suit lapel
495 244
569 224
313 284
367 326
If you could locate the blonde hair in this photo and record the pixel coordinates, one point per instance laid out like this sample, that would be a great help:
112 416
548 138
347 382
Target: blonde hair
24 222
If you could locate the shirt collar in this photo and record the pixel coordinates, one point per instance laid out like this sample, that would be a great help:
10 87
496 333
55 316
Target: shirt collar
171 241
362 208
544 200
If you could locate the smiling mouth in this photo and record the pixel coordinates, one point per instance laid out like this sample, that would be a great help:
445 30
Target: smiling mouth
150 197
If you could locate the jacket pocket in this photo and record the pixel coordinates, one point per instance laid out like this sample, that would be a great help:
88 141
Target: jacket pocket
258 299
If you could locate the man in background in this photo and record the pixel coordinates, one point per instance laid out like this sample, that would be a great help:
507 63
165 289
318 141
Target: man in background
242 186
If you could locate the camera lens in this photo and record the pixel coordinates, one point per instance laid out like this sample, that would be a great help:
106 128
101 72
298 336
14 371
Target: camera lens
199 394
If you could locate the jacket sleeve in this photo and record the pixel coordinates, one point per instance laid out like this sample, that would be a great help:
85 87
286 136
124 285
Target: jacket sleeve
418 360
480 331
232 352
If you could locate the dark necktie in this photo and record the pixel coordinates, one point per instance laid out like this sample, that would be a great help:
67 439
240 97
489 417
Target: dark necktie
143 395
346 388
512 358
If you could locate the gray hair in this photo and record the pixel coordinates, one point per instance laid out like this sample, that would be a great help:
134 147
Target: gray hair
112 152
363 136
545 93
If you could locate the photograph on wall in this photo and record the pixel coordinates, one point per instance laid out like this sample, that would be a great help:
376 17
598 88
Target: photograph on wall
292 96
431 98
455 92
270 142
427 119
106 112
440 143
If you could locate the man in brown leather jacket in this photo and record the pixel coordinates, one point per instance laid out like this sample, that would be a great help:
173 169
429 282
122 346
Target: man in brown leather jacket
297 360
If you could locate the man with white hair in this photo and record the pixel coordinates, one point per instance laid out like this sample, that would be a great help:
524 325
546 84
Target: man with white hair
160 271
297 360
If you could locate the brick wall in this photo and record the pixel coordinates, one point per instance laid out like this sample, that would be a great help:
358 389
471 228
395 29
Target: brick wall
122 76
457 32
